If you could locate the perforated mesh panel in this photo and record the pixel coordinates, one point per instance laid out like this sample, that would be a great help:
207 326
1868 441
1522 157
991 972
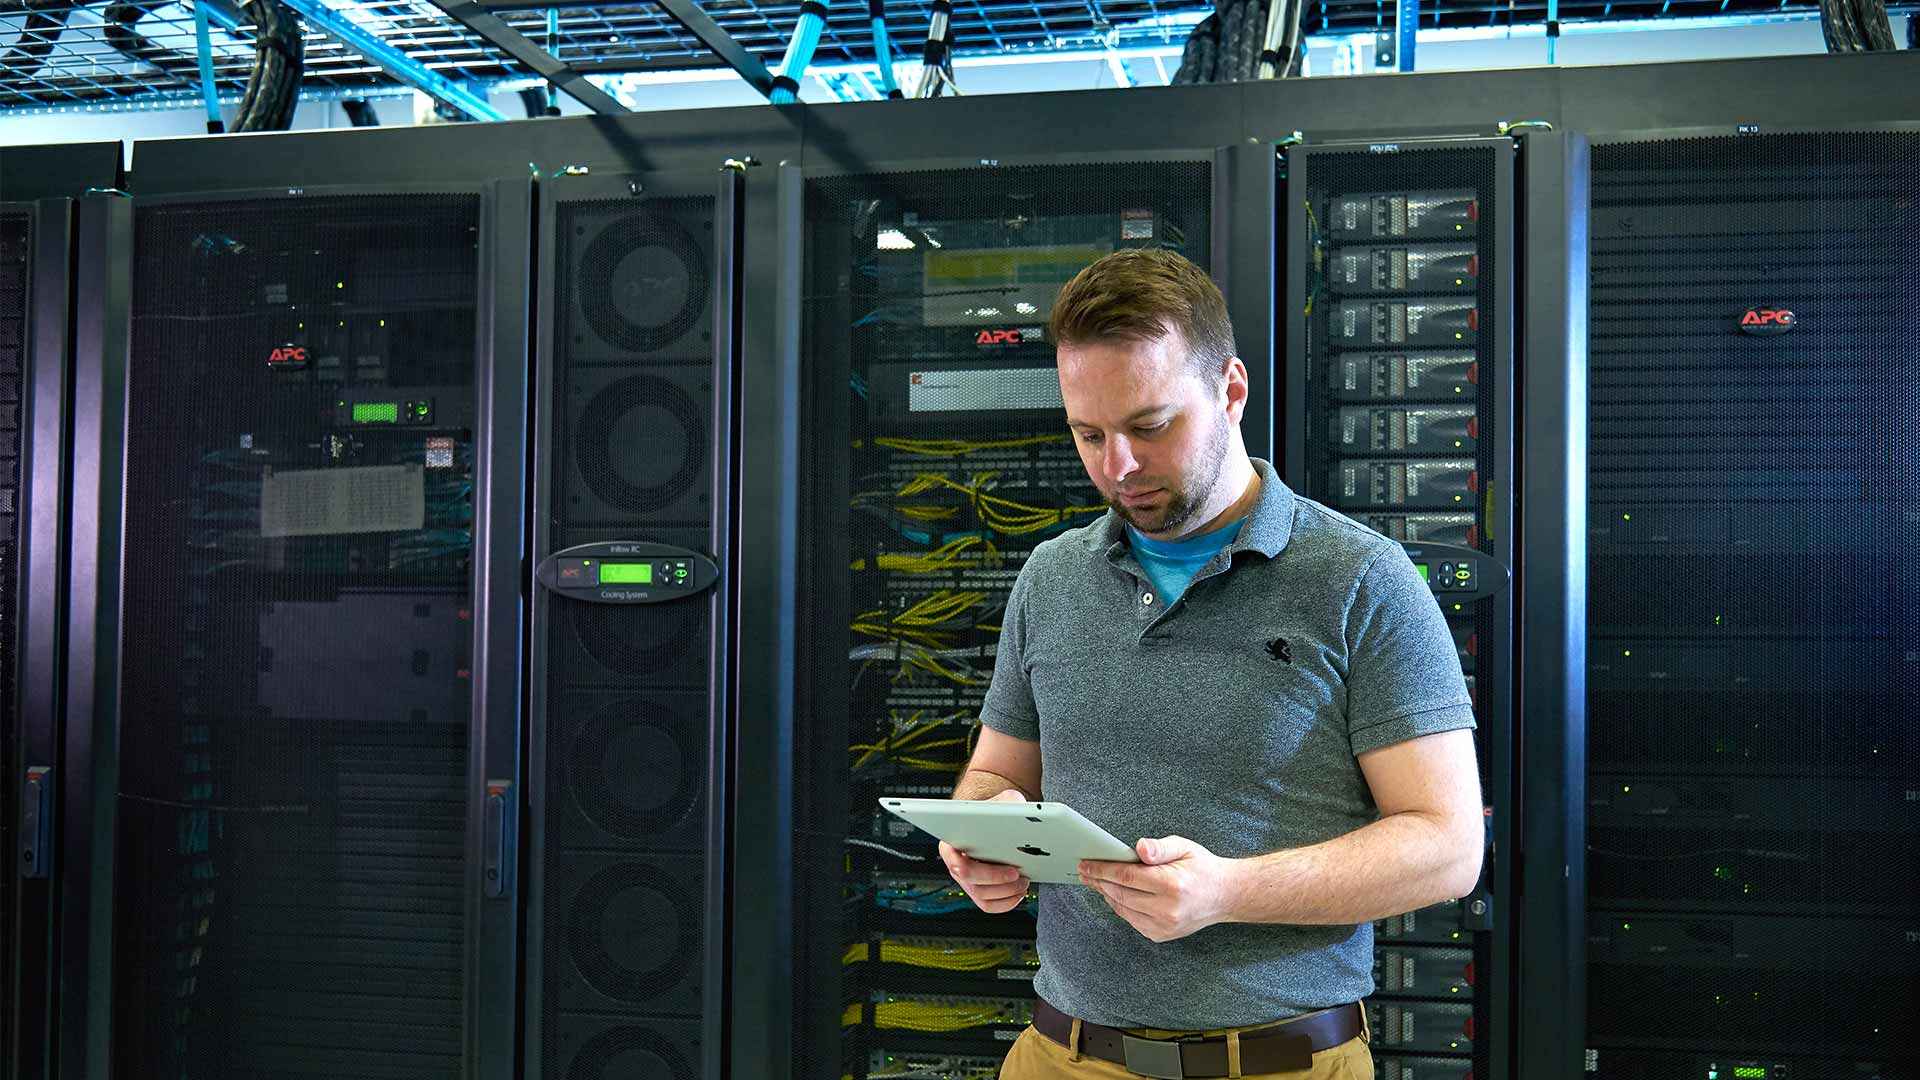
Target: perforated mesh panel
1754 498
925 373
628 725
16 236
295 689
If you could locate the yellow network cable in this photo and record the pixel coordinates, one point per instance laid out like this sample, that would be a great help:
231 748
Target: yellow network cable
962 447
998 512
976 958
909 740
946 555
910 626
924 1016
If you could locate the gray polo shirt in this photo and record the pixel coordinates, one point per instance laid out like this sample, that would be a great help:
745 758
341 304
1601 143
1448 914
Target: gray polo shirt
1188 720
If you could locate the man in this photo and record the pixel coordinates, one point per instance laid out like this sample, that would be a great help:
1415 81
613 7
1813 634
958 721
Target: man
1261 688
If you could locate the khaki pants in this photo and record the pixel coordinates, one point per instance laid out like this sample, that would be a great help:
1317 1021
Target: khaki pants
1036 1057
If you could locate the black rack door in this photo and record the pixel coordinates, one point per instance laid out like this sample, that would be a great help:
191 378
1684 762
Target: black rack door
35 287
1753 830
1400 321
317 698
925 379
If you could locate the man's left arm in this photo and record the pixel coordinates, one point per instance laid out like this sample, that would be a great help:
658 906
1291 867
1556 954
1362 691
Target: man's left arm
1409 720
1425 848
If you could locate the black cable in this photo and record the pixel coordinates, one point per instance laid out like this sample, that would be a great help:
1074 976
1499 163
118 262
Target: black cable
41 30
1871 15
1836 24
1189 57
279 58
1232 29
1830 26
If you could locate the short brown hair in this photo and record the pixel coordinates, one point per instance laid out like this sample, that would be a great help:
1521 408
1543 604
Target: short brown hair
1143 294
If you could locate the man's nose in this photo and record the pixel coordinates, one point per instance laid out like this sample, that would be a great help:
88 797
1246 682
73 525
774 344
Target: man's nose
1118 459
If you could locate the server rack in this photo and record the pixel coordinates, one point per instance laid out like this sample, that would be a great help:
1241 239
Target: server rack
934 456
1401 313
1750 847
297 632
36 248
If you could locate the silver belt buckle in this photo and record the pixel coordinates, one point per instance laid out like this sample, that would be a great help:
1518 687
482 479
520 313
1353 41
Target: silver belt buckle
1153 1057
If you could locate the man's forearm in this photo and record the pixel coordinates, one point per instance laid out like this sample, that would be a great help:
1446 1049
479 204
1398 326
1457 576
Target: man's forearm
1397 864
981 784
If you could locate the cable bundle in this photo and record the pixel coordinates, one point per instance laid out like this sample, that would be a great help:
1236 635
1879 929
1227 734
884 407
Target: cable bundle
279 58
1243 40
915 742
926 1016
944 958
1856 25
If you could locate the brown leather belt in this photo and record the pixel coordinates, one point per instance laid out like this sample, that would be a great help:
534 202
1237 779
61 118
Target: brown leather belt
1282 1048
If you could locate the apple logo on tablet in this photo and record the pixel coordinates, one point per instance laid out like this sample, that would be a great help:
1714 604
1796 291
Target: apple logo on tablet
1029 849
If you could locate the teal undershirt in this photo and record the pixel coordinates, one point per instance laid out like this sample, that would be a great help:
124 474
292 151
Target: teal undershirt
1170 565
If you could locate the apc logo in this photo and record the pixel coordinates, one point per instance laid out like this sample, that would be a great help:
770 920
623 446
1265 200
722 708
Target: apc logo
1766 321
1000 337
288 355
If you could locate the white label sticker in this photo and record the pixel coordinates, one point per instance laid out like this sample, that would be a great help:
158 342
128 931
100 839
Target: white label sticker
322 502
978 390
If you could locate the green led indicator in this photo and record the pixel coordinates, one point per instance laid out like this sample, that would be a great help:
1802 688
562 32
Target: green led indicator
1750 1072
376 412
626 573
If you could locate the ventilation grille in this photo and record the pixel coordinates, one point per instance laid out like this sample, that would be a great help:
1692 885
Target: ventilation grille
1754 501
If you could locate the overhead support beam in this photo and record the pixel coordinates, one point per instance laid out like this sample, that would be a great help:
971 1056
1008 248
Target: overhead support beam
713 36
392 61
515 44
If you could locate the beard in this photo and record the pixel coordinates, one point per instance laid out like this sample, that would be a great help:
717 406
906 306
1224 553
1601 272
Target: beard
1187 497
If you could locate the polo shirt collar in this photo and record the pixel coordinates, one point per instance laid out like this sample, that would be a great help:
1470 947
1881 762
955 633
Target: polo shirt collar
1267 529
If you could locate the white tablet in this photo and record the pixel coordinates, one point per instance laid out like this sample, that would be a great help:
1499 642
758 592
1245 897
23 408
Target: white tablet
1046 840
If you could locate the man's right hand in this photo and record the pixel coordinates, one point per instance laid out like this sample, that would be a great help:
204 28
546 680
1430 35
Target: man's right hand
994 887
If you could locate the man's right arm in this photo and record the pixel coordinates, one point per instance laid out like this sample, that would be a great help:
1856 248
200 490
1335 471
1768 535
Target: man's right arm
1000 763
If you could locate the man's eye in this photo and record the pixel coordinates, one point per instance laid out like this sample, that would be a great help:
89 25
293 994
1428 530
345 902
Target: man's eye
1154 430
1089 436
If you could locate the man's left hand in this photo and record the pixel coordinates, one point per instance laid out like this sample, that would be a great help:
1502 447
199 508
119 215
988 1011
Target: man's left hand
1177 887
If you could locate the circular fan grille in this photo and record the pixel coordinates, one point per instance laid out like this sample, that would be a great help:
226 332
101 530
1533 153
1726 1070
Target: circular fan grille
640 640
633 770
644 283
632 934
642 443
629 1053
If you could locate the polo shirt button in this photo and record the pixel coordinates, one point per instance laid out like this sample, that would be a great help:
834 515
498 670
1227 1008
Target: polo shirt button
1146 598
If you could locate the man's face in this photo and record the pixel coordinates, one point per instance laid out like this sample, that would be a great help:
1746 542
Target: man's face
1152 433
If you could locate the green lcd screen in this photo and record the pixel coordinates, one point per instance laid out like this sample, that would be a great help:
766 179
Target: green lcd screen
626 573
376 412
1423 571
1750 1072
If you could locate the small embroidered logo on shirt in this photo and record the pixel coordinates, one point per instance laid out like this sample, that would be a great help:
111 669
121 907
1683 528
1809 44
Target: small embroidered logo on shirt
1280 650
